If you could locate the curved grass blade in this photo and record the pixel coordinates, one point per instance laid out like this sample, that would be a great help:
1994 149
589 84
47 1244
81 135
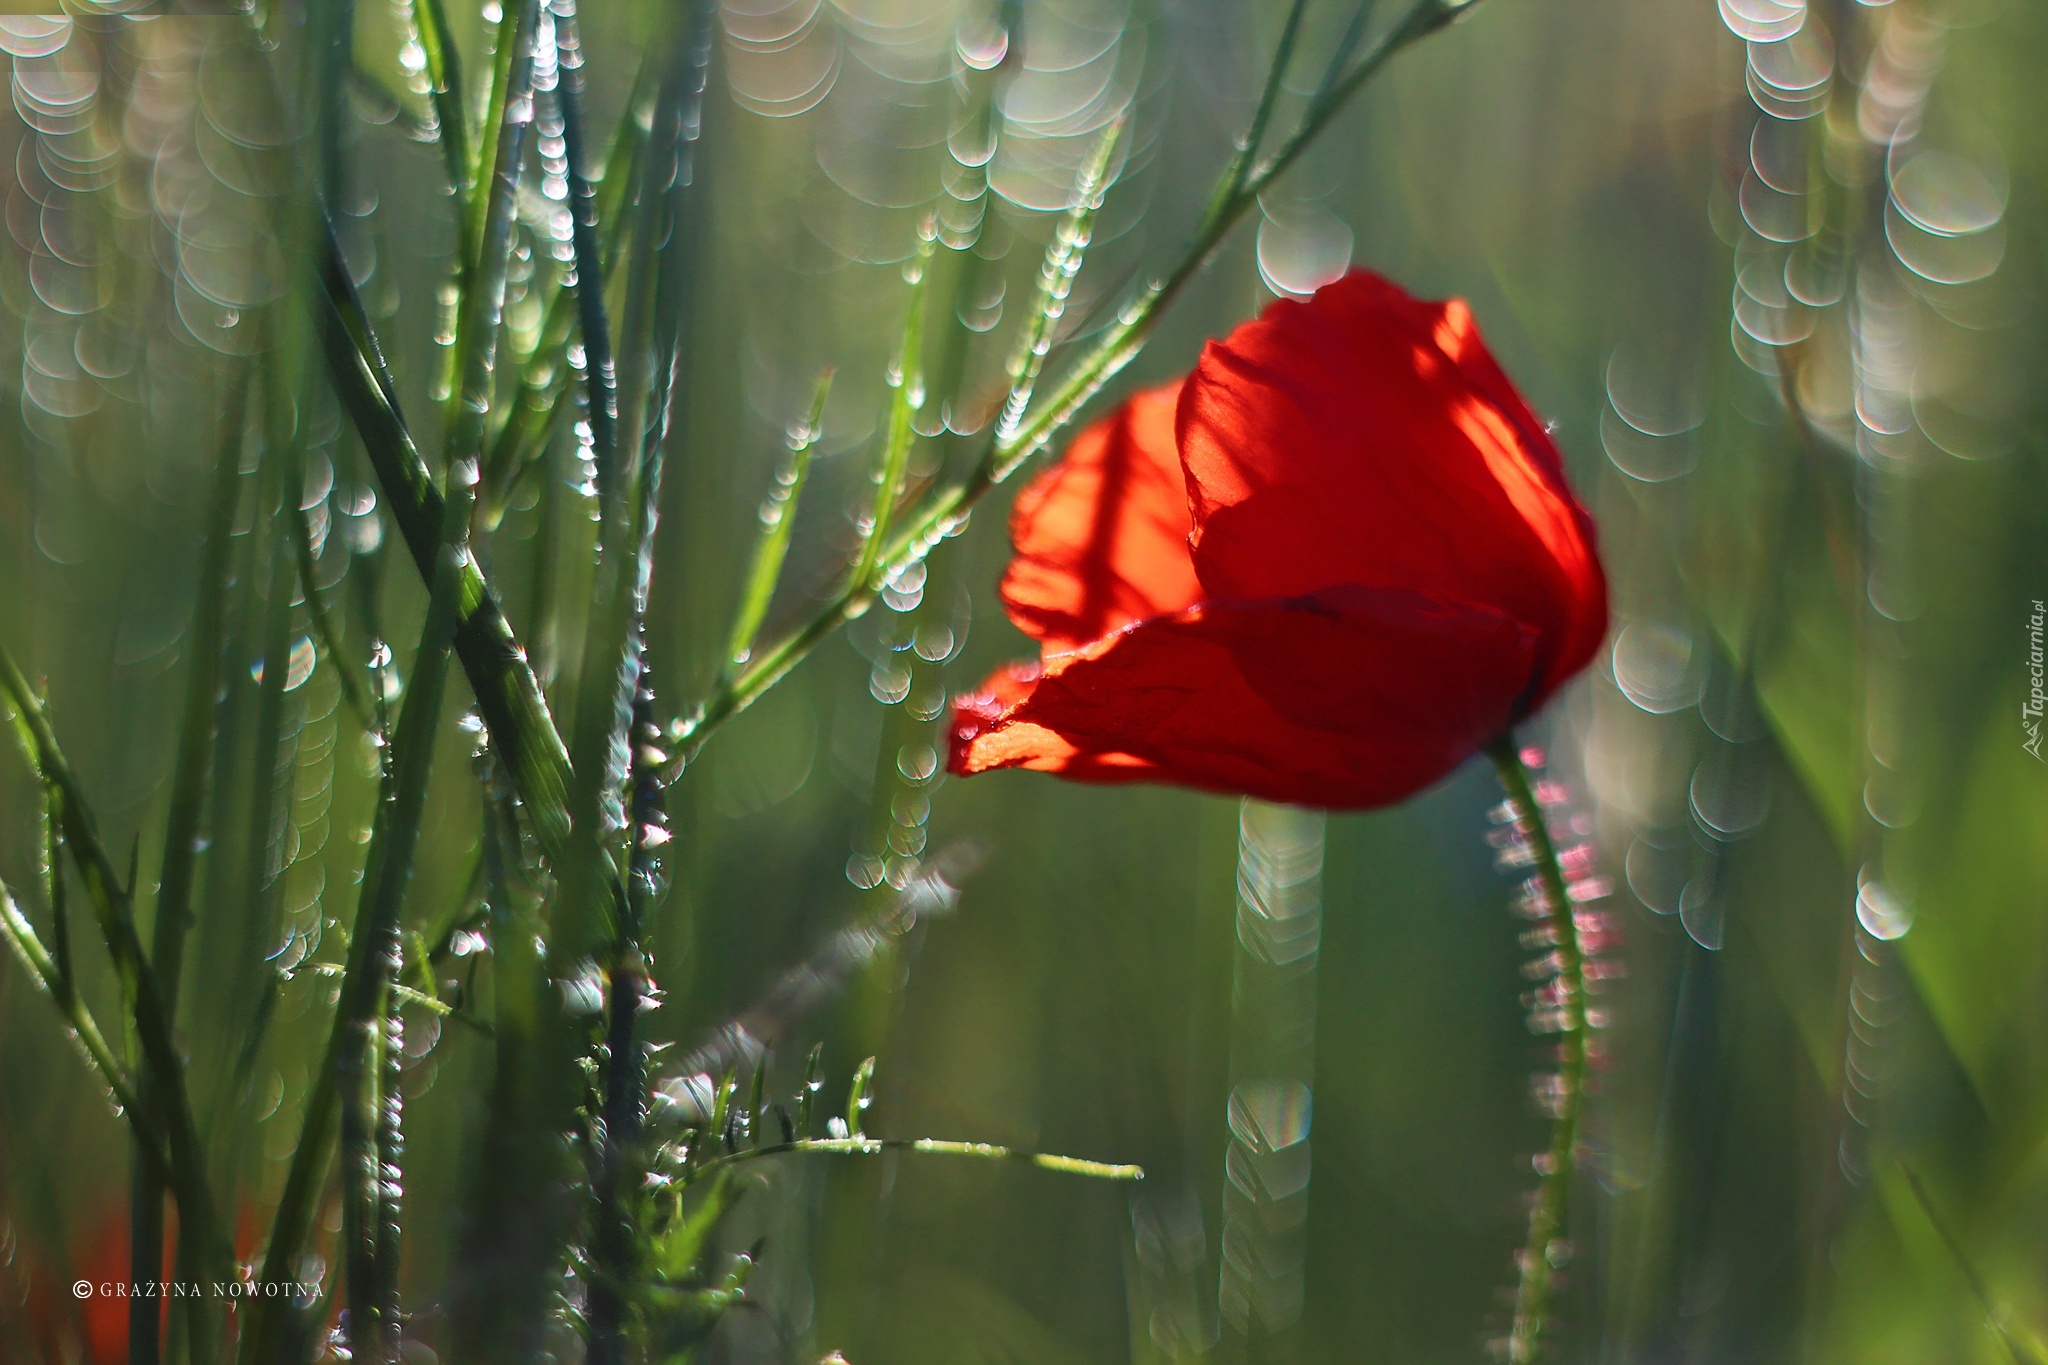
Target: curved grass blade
778 524
186 1170
85 1030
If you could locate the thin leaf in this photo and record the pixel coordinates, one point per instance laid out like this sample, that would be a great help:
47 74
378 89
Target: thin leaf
444 85
1056 274
600 370
352 690
490 236
190 778
813 1082
857 1097
678 1248
186 1171
778 524
85 1030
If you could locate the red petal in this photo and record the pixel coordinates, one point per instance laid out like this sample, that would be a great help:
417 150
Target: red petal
1102 536
1368 437
1351 697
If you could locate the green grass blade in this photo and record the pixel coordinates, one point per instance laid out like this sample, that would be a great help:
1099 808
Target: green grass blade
374 949
1063 259
906 379
483 292
444 85
1232 182
544 378
353 693
190 778
778 524
85 1030
857 1097
141 996
508 695
600 370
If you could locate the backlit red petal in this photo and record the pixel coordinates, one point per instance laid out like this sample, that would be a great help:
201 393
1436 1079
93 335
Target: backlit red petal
1367 437
1102 536
1352 697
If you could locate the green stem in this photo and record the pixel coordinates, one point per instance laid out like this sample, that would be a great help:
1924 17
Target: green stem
600 370
490 236
21 936
867 1146
185 1171
1539 1261
189 782
444 82
374 952
352 691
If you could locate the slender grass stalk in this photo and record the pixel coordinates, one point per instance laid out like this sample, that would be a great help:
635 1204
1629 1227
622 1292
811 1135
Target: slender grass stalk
490 235
778 525
2021 1346
1232 182
544 378
352 690
444 85
190 779
947 511
360 1026
618 701
600 370
50 854
85 1030
906 382
185 1171
987 1151
1541 1254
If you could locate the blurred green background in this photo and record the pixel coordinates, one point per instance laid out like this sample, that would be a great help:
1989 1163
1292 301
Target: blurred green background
1772 269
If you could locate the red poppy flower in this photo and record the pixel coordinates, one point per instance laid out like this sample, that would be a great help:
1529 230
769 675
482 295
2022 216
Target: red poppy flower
1324 569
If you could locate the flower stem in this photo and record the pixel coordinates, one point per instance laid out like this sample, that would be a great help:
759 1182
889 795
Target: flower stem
1544 1252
